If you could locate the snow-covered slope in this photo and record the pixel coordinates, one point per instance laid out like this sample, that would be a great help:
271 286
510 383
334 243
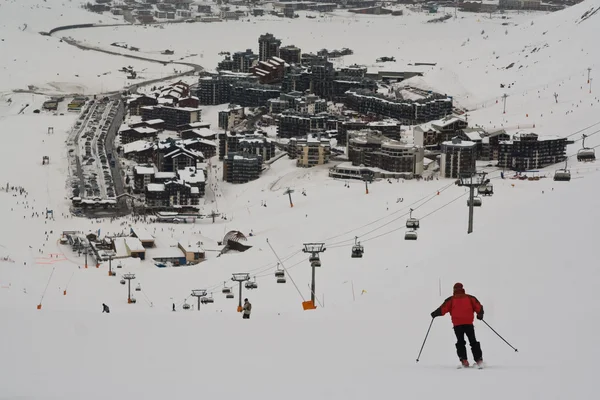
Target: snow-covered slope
46 64
532 60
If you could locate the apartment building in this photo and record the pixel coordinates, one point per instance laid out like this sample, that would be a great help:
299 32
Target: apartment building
458 157
528 151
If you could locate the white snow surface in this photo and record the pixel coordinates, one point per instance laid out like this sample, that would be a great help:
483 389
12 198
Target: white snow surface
531 260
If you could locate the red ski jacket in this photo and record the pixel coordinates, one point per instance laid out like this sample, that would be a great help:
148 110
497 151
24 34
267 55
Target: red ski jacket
461 307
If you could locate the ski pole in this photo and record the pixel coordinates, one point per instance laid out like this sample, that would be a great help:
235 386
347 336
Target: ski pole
424 340
499 336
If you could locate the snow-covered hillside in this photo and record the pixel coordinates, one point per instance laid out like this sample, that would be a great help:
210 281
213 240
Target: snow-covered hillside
530 260
46 64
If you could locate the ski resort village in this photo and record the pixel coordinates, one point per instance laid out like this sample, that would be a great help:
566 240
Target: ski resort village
299 199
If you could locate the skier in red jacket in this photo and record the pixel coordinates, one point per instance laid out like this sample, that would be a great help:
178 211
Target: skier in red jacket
461 307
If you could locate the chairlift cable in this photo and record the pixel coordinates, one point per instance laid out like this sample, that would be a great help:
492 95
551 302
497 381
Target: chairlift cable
397 218
286 270
47 284
402 227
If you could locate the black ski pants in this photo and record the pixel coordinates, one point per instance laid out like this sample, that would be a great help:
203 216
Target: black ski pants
461 349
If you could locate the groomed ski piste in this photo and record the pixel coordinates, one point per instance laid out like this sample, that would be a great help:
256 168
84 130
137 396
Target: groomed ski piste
531 259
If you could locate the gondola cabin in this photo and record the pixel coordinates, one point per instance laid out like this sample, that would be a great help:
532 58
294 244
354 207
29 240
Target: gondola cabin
410 235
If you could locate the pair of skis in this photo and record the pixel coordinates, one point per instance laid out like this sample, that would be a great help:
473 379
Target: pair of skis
475 365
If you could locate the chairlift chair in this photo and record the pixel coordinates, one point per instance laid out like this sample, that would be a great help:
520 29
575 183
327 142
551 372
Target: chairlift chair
229 296
357 249
226 289
562 174
412 223
186 306
279 274
476 202
313 258
133 300
281 279
410 235
485 190
122 282
251 284
585 153
357 252
138 288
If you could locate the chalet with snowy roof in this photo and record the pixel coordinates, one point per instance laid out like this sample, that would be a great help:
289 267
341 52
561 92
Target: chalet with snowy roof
249 142
487 142
189 102
208 148
128 247
128 134
231 117
172 116
143 235
202 133
270 71
458 157
173 195
528 151
193 176
179 158
177 90
140 151
134 102
143 175
194 253
193 125
157 124
433 133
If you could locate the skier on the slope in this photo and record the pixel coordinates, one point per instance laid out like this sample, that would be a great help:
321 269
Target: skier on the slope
461 307
246 309
105 309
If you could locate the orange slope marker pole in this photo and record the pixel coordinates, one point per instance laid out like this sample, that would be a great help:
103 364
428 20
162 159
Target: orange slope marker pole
39 306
